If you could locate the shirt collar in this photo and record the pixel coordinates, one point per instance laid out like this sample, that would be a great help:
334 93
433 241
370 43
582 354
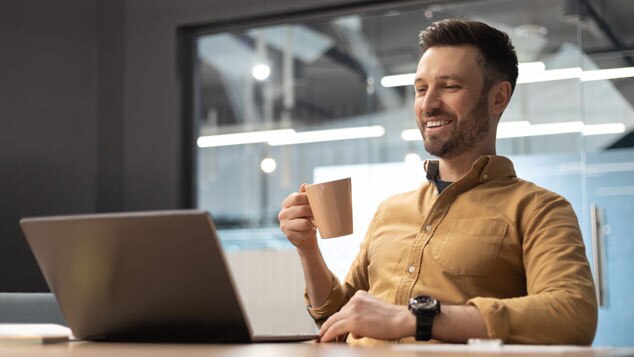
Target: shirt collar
487 167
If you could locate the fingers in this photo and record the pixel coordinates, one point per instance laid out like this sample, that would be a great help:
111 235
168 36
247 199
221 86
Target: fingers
349 320
336 330
294 212
296 218
295 199
296 215
297 225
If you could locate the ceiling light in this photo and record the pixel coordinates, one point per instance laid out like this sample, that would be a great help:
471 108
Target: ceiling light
398 80
268 165
526 68
290 136
412 159
599 129
241 138
550 75
524 128
329 135
261 71
411 135
518 129
611 73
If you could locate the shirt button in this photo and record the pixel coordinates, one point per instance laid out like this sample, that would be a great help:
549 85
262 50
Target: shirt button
411 269
428 228
485 176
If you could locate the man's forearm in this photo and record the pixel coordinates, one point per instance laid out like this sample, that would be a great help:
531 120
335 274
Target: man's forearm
317 277
459 324
454 324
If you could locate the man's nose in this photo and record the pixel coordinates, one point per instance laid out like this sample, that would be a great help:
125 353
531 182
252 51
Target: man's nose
431 102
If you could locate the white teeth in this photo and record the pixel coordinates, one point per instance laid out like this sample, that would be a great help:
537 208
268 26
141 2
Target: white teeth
433 124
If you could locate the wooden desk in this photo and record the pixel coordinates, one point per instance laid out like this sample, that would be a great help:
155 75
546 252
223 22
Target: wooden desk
92 349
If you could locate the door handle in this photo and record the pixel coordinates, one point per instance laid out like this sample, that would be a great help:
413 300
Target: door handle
596 219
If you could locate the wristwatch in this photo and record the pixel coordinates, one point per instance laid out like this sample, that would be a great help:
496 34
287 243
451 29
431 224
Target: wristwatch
425 308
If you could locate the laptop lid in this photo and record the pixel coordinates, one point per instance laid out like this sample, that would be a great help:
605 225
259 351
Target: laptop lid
139 276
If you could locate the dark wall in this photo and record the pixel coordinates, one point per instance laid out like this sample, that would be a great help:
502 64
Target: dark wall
48 146
90 117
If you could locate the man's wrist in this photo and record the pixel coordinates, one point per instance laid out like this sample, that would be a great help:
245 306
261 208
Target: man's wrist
408 323
309 250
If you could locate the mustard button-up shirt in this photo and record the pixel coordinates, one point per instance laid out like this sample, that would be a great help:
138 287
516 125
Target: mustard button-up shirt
512 249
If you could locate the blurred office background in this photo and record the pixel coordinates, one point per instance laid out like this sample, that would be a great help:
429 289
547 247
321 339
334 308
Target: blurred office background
230 105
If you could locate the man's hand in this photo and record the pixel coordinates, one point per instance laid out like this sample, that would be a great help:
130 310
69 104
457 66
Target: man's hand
296 220
367 316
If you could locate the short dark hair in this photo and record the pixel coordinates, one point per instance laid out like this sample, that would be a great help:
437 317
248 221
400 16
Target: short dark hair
497 54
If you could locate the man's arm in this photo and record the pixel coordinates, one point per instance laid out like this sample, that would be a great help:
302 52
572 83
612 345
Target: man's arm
561 306
296 223
325 295
317 276
367 316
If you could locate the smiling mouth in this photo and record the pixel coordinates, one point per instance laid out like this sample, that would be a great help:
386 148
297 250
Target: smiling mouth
436 124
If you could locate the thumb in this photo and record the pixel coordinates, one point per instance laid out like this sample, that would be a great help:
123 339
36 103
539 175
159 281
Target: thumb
302 187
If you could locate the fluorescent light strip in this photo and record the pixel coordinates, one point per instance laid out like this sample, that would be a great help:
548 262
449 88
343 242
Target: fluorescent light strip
599 129
290 136
550 75
530 72
398 80
611 73
518 129
522 129
329 135
411 135
242 138
531 67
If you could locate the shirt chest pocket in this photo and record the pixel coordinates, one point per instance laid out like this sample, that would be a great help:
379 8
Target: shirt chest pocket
470 247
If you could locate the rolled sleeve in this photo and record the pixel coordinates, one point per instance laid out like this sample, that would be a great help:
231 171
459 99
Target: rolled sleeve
561 306
495 316
333 303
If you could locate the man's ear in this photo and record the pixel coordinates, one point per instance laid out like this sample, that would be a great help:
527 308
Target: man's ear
499 97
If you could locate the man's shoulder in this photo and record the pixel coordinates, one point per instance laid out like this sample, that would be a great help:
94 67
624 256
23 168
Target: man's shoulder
406 198
536 192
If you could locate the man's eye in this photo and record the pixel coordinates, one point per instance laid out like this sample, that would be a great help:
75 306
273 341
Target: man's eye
451 87
421 90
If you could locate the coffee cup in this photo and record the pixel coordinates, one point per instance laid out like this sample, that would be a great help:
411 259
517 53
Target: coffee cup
331 203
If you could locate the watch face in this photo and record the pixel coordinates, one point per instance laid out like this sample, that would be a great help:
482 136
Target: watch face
424 303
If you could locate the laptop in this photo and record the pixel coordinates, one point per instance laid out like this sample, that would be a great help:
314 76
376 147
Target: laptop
142 276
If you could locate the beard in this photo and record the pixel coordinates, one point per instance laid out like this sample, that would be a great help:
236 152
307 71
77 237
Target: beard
465 134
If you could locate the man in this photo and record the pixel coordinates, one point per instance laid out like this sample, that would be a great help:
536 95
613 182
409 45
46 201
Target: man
483 253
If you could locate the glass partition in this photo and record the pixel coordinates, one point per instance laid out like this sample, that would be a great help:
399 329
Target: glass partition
308 100
606 85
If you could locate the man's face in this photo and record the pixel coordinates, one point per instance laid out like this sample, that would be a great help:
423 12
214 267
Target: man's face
451 109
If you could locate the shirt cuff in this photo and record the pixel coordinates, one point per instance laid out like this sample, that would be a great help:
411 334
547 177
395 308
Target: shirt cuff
495 316
332 304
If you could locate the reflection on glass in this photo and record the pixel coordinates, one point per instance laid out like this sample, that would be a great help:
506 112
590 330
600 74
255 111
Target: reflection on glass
300 101
326 92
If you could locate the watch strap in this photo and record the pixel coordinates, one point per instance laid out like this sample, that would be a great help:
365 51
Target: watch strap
424 324
425 309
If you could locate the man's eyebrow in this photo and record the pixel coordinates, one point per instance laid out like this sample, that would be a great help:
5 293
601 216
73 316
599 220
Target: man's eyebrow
451 77
444 78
